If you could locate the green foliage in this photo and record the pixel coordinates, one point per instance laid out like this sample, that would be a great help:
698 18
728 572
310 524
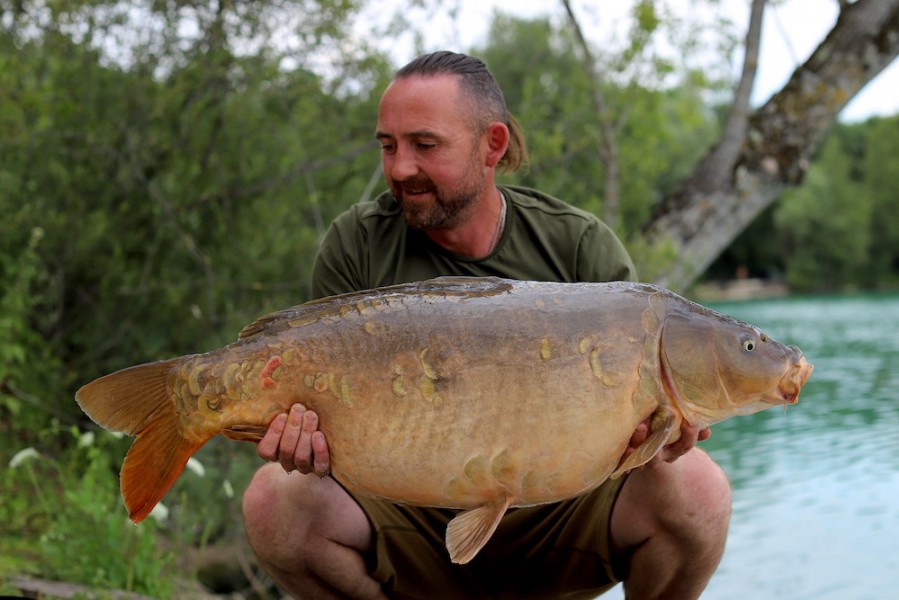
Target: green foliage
836 231
178 198
824 225
651 260
661 132
880 169
62 515
157 195
23 283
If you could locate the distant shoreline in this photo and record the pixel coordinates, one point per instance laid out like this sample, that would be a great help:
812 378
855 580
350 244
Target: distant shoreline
739 289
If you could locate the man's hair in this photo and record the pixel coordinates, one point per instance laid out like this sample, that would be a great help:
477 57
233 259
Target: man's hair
485 98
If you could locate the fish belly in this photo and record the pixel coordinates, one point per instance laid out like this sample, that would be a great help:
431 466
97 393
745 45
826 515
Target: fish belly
535 445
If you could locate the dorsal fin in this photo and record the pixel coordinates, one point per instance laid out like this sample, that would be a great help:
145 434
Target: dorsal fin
332 305
277 321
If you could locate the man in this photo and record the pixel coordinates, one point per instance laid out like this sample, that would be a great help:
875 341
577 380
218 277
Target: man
444 132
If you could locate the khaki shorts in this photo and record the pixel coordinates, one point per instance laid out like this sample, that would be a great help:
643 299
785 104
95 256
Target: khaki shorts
558 550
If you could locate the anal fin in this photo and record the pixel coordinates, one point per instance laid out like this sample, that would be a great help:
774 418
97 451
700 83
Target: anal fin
467 533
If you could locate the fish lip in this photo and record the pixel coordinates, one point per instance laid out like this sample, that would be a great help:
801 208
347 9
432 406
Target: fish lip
794 379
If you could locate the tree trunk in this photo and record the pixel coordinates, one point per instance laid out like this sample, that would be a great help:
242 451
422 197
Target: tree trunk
700 220
608 142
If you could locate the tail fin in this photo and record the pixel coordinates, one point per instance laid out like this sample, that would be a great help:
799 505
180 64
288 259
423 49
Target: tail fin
138 401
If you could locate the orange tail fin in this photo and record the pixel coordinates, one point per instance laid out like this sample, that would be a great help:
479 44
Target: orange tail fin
138 401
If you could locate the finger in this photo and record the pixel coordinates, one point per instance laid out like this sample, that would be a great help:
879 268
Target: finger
640 434
705 434
290 438
267 449
303 455
688 438
321 454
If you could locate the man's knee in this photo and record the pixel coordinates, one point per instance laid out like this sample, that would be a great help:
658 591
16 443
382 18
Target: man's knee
260 505
689 498
707 487
697 495
300 511
700 513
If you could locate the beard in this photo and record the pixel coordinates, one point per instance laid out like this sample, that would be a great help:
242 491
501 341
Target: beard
449 208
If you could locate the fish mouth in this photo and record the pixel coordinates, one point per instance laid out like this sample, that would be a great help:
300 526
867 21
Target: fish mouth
794 379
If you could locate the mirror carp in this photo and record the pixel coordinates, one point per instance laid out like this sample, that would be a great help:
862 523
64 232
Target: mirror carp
477 394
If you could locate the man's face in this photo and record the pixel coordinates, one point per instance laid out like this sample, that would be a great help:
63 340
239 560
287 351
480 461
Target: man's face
432 159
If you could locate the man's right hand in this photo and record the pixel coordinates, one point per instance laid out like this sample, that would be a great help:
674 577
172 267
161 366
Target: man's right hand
293 439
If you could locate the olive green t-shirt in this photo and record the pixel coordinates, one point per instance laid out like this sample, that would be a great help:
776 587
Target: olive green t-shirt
544 239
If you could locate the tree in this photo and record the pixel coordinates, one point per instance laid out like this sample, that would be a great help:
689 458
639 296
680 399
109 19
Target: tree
824 226
759 154
775 150
623 82
128 171
832 232
661 132
881 174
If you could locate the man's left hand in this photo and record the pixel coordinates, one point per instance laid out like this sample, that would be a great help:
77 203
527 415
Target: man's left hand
689 437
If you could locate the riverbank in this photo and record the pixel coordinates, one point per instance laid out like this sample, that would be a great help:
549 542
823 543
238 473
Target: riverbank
738 289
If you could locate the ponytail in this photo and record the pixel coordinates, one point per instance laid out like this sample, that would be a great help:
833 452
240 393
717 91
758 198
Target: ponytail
516 155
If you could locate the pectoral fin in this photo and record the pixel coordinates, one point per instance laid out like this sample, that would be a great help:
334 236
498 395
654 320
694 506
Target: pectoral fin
245 432
651 446
467 533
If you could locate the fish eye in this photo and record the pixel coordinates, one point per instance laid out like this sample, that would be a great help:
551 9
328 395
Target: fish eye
748 345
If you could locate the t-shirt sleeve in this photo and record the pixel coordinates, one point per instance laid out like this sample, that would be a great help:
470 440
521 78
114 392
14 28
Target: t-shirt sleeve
602 257
339 264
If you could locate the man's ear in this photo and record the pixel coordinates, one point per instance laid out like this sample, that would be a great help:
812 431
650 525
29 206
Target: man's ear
496 138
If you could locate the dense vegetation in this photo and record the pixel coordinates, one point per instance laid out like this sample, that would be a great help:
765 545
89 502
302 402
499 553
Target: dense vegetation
162 185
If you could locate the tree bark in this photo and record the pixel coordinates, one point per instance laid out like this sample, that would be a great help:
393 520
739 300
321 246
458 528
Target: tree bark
701 219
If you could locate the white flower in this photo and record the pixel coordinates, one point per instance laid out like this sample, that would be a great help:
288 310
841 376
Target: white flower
86 439
196 466
228 489
160 512
22 456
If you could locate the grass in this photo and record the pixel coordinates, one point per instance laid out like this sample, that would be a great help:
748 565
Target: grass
61 518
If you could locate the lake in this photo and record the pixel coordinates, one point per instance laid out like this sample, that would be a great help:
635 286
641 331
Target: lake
816 490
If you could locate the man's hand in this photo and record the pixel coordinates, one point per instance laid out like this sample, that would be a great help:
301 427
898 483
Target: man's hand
689 437
293 439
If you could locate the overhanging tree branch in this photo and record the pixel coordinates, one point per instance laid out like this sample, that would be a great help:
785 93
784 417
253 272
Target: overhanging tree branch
699 221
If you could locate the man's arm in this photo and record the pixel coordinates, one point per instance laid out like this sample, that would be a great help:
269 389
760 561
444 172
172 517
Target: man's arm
339 265
602 257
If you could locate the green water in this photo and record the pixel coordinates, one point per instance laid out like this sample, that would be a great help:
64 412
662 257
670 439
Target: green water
816 490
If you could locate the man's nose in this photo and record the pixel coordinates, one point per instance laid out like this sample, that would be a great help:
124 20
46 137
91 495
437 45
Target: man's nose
402 164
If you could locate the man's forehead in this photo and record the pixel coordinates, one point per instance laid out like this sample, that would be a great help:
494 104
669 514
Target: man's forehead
420 104
422 84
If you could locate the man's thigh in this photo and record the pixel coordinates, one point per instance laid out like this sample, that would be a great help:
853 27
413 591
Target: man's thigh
552 550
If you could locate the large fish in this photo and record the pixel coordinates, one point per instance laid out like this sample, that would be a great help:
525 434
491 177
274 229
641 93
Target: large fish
470 393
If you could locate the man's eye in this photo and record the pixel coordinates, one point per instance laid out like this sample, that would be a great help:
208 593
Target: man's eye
426 146
388 148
